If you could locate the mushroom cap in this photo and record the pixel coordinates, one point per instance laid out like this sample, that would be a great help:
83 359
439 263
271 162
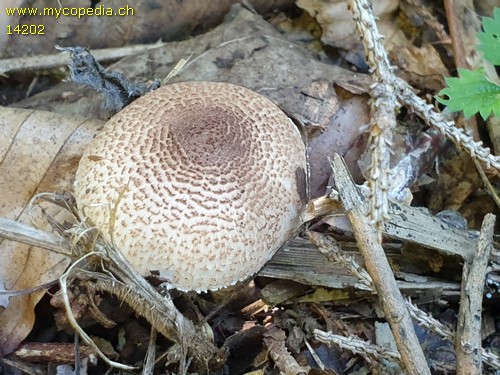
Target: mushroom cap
204 182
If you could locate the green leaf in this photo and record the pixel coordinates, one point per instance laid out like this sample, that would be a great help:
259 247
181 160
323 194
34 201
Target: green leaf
490 38
472 92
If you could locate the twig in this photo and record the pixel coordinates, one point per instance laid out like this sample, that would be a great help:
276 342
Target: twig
387 90
430 323
368 351
448 128
390 297
57 60
418 7
487 183
448 334
383 105
491 359
36 352
149 363
314 355
331 249
456 35
468 338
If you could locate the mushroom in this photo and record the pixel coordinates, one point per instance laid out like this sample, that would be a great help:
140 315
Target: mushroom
201 181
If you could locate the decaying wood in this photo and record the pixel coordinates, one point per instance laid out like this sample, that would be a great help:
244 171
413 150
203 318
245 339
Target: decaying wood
376 263
299 260
468 338
412 224
50 352
416 225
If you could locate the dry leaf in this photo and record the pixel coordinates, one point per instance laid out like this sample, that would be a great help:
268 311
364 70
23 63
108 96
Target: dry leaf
39 152
239 51
340 133
274 339
421 66
339 30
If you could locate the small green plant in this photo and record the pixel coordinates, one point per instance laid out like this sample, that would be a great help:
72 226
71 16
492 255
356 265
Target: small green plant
472 91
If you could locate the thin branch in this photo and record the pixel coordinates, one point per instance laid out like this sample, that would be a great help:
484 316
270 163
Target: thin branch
448 128
329 247
376 263
487 183
367 350
448 334
383 105
468 338
149 362
19 232
32 63
457 44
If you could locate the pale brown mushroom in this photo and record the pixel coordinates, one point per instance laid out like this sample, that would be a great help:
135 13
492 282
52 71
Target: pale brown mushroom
205 182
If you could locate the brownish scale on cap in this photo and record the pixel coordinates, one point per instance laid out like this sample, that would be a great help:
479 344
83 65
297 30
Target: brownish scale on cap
205 180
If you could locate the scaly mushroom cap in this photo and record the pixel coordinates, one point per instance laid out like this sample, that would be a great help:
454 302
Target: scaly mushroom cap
205 182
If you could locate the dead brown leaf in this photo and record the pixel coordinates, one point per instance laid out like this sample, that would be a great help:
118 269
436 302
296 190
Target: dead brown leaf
39 152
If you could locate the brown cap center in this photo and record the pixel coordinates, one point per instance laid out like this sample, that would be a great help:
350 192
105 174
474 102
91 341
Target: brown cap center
208 137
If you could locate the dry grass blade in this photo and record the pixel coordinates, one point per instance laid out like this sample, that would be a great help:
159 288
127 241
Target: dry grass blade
63 282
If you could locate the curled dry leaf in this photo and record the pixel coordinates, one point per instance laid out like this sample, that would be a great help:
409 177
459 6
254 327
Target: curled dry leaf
339 30
39 152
